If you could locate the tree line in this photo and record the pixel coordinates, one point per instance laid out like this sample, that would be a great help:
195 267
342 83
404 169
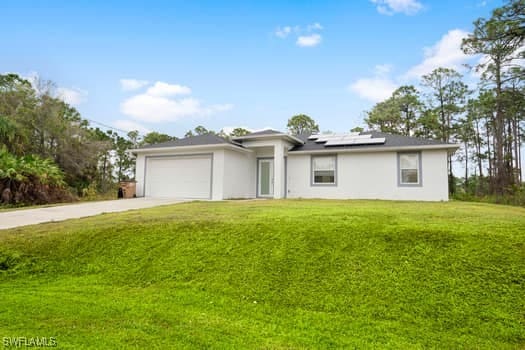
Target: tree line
49 153
487 120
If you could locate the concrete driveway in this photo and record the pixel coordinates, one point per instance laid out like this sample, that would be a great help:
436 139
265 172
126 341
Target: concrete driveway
25 217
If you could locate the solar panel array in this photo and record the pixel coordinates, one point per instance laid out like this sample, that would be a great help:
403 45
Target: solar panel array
353 138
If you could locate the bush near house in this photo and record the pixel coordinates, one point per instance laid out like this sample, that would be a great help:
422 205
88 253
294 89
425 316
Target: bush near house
30 180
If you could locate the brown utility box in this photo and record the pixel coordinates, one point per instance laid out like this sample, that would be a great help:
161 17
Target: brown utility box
128 188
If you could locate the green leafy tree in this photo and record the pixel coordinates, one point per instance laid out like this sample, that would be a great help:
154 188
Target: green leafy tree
398 114
500 39
35 122
199 130
475 115
384 117
406 99
124 160
11 136
18 102
302 124
512 15
154 137
239 132
428 124
465 134
447 95
104 174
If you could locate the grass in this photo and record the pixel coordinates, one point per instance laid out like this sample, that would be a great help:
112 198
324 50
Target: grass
288 274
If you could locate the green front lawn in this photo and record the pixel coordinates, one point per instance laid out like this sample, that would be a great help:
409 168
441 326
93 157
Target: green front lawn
271 274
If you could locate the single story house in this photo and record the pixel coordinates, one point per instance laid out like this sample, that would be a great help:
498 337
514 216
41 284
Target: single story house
273 164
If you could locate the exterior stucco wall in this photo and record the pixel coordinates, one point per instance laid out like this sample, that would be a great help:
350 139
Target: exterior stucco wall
239 175
139 174
370 176
218 175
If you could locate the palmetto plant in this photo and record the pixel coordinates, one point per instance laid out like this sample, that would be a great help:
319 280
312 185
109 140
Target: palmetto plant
29 179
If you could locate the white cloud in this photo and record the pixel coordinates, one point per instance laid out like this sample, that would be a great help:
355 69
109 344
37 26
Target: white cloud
373 89
382 69
129 125
390 7
305 36
308 40
283 32
159 109
315 26
159 104
132 84
161 89
445 53
72 96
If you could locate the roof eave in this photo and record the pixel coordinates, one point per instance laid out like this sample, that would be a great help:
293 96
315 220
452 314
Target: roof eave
190 148
450 147
270 136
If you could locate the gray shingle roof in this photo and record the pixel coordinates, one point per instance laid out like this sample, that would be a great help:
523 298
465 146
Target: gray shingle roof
266 133
309 145
390 141
209 139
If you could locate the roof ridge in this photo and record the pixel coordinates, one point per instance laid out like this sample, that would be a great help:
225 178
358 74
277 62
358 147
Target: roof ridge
193 140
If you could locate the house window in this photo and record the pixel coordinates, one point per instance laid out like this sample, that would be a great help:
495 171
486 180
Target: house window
409 165
323 170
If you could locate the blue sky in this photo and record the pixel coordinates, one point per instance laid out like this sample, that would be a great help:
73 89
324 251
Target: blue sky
171 65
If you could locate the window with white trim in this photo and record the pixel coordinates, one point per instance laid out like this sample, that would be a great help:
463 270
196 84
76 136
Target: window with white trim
409 169
323 170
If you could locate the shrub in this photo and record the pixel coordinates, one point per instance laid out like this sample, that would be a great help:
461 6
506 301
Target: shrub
30 180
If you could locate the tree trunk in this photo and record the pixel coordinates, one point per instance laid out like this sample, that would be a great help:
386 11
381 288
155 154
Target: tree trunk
466 166
489 155
519 152
501 178
478 150
517 145
509 157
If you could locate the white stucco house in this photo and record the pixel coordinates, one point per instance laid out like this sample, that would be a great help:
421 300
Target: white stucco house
272 164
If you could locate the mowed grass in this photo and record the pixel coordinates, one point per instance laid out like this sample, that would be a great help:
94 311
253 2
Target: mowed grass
288 274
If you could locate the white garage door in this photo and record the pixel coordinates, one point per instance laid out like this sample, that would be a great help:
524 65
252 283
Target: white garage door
179 177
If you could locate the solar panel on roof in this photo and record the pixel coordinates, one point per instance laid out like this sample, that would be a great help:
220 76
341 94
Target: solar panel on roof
324 138
352 138
355 141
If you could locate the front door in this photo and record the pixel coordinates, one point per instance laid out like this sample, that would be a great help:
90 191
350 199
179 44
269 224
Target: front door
265 183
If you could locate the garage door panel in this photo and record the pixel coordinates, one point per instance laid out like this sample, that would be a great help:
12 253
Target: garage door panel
179 177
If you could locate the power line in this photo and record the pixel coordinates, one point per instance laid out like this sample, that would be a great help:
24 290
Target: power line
108 126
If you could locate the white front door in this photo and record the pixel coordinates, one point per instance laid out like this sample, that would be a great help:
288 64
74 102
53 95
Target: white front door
265 183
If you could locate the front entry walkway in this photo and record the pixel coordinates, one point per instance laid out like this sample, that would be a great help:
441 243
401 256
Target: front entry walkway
25 217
